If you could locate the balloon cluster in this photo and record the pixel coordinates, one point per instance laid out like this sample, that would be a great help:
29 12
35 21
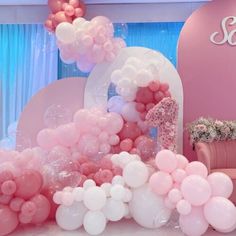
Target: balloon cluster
21 200
164 116
92 206
63 11
88 42
197 196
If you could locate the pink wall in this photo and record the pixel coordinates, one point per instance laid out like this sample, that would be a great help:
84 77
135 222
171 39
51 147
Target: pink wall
208 71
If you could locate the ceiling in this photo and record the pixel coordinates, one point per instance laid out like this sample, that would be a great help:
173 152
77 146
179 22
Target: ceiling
44 2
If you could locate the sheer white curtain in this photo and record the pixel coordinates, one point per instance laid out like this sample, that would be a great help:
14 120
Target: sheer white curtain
28 62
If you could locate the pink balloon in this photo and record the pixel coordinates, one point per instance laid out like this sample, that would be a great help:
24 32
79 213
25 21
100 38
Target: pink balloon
55 5
184 207
194 224
130 130
166 161
154 86
145 96
115 123
46 139
196 190
69 10
220 213
221 184
28 208
161 183
196 168
126 145
5 199
8 220
89 145
43 209
16 204
182 161
8 187
164 87
169 204
28 184
67 135
178 175
61 17
114 140
74 3
5 175
24 219
175 195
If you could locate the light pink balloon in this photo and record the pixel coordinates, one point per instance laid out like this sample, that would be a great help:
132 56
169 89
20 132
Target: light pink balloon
184 207
129 112
220 213
46 139
169 204
8 220
161 183
89 145
175 195
196 190
43 209
166 161
193 224
196 168
67 135
115 123
182 161
178 175
114 139
221 184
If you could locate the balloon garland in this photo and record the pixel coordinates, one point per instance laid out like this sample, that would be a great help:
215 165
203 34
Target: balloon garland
102 166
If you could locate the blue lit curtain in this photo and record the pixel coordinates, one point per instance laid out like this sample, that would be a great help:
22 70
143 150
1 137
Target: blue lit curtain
28 62
162 37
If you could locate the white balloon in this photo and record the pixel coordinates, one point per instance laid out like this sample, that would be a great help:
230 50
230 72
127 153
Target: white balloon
143 78
78 22
134 61
78 194
128 195
148 209
116 76
95 198
135 174
106 188
117 192
114 210
88 184
118 180
65 32
94 222
129 71
71 218
129 112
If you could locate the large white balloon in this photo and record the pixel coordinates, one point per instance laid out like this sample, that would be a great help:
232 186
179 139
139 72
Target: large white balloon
71 218
148 209
94 222
65 32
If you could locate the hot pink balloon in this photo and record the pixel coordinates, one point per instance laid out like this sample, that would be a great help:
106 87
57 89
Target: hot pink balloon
220 213
221 184
43 209
196 190
46 139
196 168
194 224
8 220
161 183
28 184
166 161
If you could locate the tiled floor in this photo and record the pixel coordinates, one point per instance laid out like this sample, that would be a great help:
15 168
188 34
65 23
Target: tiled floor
124 228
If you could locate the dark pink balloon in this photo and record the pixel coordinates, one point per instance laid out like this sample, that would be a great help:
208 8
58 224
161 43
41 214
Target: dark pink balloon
8 187
8 220
29 208
5 199
28 184
140 107
144 95
164 87
154 86
6 175
130 130
43 209
16 204
126 144
55 5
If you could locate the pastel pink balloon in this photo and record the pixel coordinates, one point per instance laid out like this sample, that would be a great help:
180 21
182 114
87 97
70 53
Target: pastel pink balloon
8 220
43 209
161 183
220 213
46 139
164 87
166 161
105 148
24 219
169 204
182 161
16 204
115 123
114 140
178 175
196 190
196 168
67 135
28 184
183 207
221 184
175 195
194 224
89 145
8 187
28 208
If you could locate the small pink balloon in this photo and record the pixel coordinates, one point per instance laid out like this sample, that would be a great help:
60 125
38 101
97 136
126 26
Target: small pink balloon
69 10
196 190
8 187
194 224
161 183
103 137
74 3
28 208
114 140
89 145
46 139
115 123
169 204
106 164
67 135
179 175
24 219
140 107
61 17
105 148
184 207
16 204
182 161
196 168
175 195
221 184
5 175
164 87
79 12
166 161
28 184
126 145
145 96
55 5
106 176
8 220
5 199
117 170
154 86
43 209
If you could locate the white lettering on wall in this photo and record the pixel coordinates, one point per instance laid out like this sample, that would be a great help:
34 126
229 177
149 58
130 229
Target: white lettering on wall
228 36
